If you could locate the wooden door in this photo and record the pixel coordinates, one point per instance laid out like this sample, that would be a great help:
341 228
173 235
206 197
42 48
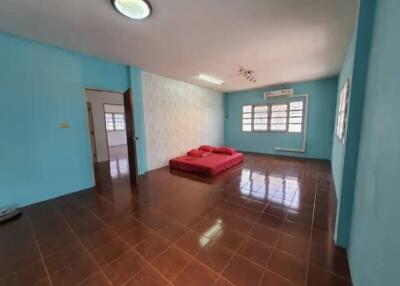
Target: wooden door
91 131
130 136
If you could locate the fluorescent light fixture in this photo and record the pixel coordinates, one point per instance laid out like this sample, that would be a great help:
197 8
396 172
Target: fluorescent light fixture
210 79
134 9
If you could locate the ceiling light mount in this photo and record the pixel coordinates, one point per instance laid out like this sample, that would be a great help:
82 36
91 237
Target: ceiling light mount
247 74
133 9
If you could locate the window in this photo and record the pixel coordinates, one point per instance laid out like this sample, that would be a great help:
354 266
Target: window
115 121
279 117
109 121
287 117
260 121
295 116
119 121
341 119
247 118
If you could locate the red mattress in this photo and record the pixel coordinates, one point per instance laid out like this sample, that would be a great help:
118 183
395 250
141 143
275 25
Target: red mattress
208 166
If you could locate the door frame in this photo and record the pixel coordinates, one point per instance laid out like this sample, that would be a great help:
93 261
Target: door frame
130 136
129 129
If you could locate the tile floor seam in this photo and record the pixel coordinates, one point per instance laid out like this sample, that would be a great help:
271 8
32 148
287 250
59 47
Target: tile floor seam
312 228
187 253
237 250
330 272
194 258
269 260
40 251
312 177
85 248
148 262
89 277
172 244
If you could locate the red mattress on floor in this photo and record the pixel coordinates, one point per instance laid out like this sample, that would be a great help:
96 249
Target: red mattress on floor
208 166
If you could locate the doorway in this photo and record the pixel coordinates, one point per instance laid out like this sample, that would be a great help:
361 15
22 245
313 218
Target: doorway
111 132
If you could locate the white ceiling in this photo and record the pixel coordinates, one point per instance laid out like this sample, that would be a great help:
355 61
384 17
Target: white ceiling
281 40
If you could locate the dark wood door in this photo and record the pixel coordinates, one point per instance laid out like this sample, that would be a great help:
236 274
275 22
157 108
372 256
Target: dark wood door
130 136
91 131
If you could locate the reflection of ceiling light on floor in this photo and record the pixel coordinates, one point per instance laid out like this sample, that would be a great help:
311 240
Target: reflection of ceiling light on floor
210 233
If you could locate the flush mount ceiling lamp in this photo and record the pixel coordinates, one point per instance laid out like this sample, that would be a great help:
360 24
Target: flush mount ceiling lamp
248 74
210 79
134 9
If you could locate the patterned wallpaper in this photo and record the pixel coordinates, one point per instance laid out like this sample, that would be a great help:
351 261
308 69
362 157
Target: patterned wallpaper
178 117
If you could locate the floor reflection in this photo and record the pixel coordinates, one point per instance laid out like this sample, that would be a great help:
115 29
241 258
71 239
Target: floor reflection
269 218
119 168
211 233
119 164
279 190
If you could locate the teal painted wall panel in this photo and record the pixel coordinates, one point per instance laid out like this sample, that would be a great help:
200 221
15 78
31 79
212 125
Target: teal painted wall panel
322 100
40 88
374 247
338 148
345 155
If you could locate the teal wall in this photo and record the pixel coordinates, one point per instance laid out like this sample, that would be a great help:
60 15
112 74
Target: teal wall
322 100
374 247
338 148
41 87
344 155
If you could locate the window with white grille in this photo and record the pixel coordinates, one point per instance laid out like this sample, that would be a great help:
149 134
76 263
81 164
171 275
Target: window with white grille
114 121
247 117
279 117
296 116
283 117
260 120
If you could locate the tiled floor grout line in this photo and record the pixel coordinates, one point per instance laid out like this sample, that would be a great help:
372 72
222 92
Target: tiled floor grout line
191 229
191 256
40 251
148 262
84 247
284 219
330 272
172 244
270 257
216 207
312 228
273 246
195 257
240 245
242 256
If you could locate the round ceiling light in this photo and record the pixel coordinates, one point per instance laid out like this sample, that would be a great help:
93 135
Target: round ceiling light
134 9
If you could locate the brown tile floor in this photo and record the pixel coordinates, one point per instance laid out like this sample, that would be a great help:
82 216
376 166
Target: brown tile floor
266 222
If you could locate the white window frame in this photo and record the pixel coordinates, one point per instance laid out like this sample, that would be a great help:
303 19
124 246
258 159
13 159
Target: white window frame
113 121
302 116
341 120
251 117
286 117
269 121
262 117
